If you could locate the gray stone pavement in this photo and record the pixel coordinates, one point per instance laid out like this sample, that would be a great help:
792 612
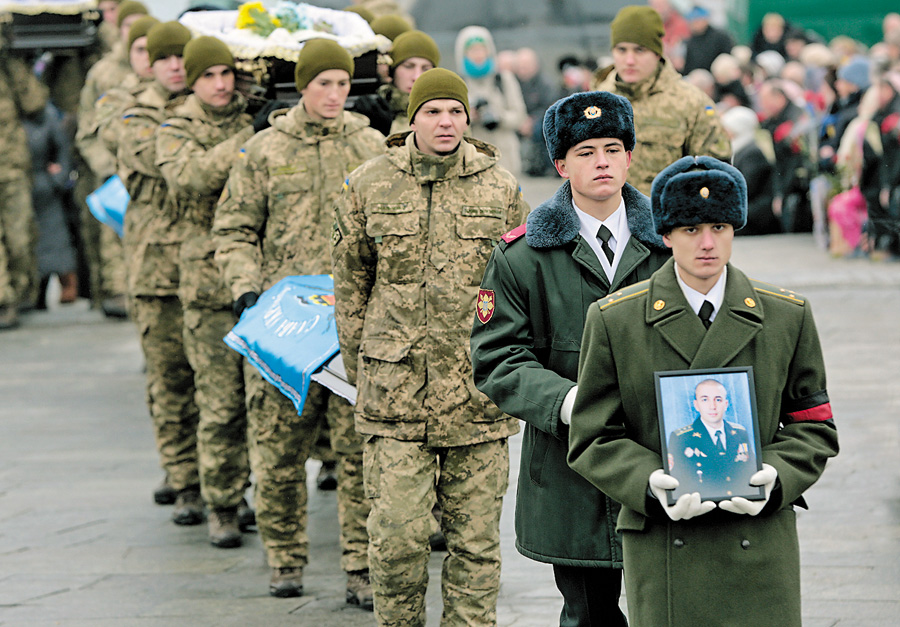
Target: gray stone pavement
82 544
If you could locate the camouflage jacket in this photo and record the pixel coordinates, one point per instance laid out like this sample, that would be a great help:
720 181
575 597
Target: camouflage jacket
672 119
195 150
412 236
20 94
398 103
153 232
110 106
275 214
108 73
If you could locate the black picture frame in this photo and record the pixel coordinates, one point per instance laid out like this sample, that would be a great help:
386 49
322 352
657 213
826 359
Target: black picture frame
689 452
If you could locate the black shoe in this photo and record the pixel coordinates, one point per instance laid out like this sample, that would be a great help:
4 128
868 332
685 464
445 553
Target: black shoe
246 517
115 306
165 494
359 590
327 479
188 508
286 582
223 528
437 541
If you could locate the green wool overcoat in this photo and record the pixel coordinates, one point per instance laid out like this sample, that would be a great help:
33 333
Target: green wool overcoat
718 568
525 358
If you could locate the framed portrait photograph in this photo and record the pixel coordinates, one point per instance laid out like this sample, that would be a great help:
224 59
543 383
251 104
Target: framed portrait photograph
709 432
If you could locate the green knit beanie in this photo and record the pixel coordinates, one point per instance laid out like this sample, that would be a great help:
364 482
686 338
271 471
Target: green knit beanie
167 39
203 53
363 12
638 25
130 7
319 55
390 26
437 84
414 43
140 29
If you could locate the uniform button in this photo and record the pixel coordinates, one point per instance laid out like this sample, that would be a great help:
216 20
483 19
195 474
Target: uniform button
678 543
745 544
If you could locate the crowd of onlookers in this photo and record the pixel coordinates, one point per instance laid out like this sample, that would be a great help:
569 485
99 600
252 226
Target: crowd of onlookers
808 119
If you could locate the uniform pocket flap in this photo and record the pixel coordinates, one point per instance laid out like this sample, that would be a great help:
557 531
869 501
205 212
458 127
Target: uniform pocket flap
385 349
479 226
397 219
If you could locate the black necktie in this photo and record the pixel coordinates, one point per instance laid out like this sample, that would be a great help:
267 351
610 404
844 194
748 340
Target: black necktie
720 441
603 235
705 312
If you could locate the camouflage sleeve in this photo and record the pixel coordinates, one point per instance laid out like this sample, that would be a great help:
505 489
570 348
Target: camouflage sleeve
31 94
137 143
519 209
188 167
353 259
90 146
240 219
708 136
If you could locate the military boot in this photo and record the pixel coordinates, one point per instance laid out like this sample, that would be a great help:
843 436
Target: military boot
359 590
223 528
246 517
188 507
165 494
327 477
286 581
9 317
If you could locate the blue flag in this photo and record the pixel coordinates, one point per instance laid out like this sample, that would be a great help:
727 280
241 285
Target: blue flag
109 202
289 333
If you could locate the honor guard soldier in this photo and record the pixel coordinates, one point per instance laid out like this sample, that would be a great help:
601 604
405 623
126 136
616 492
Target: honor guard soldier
695 562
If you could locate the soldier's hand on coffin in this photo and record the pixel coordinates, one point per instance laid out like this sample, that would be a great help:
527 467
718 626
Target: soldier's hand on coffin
261 121
739 505
687 506
245 300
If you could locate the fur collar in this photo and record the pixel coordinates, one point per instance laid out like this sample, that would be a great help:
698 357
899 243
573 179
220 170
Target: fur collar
554 222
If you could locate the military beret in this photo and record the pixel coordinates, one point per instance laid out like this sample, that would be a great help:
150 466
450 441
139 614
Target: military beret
130 7
414 43
317 56
167 39
698 190
587 115
203 53
437 84
390 26
638 25
140 29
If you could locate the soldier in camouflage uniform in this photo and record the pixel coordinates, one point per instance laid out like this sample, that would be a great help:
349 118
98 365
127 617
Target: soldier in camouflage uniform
20 94
672 118
413 52
195 150
101 244
273 221
412 235
153 236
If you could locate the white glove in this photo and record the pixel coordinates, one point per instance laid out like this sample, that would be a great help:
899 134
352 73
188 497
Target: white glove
565 412
739 505
687 506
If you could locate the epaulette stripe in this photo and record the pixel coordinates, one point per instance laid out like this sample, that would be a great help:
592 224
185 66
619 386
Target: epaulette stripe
615 301
786 296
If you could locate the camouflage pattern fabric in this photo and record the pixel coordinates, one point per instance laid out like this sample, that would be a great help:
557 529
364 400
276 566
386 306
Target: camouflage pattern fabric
398 103
272 221
672 119
400 480
19 236
194 151
322 450
412 235
274 217
7 294
222 429
170 387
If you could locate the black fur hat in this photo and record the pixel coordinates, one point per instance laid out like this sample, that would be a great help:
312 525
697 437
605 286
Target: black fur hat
698 190
587 115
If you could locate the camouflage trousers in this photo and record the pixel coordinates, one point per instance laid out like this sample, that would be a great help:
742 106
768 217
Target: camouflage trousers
19 231
222 430
280 443
402 479
170 387
7 293
113 280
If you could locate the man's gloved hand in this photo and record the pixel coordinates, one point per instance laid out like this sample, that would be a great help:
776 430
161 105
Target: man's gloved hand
261 121
247 299
739 505
687 506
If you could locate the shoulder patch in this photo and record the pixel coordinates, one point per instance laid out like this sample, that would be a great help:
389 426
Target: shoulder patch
685 429
710 110
780 292
736 427
346 184
626 293
513 235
